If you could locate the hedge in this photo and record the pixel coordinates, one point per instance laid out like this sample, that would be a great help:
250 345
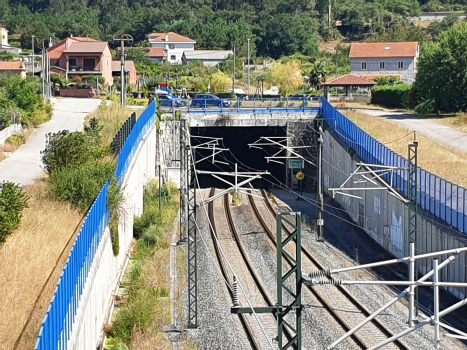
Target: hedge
392 96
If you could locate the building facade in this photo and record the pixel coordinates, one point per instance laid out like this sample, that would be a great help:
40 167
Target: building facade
4 46
173 44
371 60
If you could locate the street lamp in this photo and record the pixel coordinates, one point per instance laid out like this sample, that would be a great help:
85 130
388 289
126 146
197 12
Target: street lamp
33 54
249 40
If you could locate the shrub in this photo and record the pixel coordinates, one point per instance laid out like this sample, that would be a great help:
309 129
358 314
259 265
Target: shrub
70 149
12 203
16 139
41 114
392 96
80 185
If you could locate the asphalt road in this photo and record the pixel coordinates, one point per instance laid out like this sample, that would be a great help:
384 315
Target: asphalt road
24 166
426 127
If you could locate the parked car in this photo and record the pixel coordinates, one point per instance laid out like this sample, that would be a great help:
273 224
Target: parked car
169 101
202 100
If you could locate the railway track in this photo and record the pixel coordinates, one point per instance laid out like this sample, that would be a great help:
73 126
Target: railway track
339 305
228 238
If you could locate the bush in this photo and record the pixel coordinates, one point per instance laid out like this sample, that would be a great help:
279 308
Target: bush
16 139
226 95
81 184
70 149
392 96
41 114
12 202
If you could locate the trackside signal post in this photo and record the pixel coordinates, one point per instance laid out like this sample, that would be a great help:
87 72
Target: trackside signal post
289 283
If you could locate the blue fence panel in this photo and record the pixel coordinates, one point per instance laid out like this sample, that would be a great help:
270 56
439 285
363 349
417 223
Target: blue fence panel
442 201
62 311
144 122
434 194
460 209
448 202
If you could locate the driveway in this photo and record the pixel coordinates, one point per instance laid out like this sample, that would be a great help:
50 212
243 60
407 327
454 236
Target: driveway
426 127
24 166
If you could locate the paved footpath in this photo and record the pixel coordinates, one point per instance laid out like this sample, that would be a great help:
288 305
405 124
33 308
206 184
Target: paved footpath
24 166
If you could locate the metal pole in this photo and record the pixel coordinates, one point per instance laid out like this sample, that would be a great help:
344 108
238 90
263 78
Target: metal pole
329 13
436 301
43 71
122 73
160 191
320 221
249 40
233 78
412 287
33 54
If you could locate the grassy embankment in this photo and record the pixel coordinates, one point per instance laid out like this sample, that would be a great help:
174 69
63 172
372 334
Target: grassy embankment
34 256
144 304
433 156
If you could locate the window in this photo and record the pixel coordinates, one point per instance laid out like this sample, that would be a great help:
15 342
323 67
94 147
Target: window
382 65
73 62
172 58
363 65
172 46
400 64
89 63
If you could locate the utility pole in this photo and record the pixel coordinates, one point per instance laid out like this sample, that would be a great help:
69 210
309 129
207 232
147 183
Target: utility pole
129 39
329 13
233 78
249 40
320 221
33 54
43 71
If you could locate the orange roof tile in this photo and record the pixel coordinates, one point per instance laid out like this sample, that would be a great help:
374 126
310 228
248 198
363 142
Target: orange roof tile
117 66
380 50
87 47
8 66
347 80
173 37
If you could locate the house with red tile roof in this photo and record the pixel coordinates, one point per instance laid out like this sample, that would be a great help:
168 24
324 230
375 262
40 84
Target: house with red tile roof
371 60
172 44
15 68
130 71
79 56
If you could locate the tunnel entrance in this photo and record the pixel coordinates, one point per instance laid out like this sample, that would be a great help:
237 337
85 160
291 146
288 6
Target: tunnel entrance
236 139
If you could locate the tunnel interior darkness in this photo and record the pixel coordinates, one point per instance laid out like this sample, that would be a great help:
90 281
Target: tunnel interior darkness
236 139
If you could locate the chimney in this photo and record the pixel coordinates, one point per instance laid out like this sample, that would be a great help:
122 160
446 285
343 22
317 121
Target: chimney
166 37
71 35
67 44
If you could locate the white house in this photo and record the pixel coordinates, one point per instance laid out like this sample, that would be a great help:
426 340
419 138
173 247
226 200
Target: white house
4 46
173 44
371 60
210 58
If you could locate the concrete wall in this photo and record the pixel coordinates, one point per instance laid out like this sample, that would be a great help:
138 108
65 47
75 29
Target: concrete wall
7 132
80 93
97 301
385 218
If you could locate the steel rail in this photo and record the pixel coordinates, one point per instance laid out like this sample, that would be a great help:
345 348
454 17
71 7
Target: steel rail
386 331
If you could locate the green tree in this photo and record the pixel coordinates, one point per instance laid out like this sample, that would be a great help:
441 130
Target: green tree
442 71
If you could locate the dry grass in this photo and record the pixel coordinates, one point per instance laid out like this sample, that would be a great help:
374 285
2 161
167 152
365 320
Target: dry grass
112 117
26 261
156 274
458 121
441 160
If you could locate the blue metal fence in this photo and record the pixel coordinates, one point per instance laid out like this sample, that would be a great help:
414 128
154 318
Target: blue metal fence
62 310
56 327
145 121
445 200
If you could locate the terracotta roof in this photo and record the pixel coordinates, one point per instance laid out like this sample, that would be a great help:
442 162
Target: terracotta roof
347 80
82 38
116 65
8 66
87 47
380 50
173 38
154 51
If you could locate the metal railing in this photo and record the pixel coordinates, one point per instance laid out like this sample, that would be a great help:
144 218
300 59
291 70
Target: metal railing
445 200
61 314
252 105
122 134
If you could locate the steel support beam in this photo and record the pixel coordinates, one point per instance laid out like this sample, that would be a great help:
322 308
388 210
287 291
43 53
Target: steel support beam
412 183
184 141
192 236
289 281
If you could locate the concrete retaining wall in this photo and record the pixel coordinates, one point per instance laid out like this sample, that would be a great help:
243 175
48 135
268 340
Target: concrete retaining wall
385 218
7 132
107 269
